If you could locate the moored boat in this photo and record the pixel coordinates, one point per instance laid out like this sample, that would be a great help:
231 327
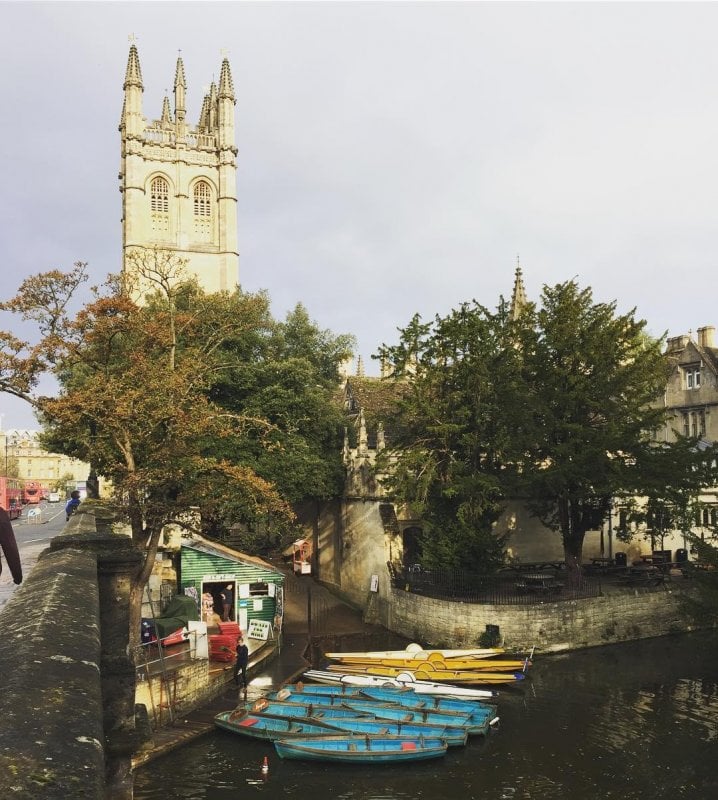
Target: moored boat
437 662
436 675
361 749
401 697
327 711
454 737
406 681
417 652
262 726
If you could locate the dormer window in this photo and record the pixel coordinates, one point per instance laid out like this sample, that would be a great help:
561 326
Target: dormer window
692 376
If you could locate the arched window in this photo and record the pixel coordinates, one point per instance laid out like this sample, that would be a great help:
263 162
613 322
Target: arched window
160 195
202 195
202 203
160 208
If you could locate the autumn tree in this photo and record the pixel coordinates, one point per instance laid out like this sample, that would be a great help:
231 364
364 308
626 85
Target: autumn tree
134 397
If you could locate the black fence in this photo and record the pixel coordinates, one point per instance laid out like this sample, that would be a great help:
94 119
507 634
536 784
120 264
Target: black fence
507 587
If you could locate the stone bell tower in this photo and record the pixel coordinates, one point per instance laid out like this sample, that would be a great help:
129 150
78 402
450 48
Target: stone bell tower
178 182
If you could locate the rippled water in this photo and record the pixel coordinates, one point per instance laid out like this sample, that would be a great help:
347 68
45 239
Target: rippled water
627 722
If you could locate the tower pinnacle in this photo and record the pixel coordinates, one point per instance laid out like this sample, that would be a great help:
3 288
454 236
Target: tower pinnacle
518 296
133 73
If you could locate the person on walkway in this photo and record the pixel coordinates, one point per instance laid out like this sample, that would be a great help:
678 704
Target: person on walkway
9 547
72 504
227 598
240 665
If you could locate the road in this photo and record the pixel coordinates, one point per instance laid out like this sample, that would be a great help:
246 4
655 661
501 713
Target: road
33 532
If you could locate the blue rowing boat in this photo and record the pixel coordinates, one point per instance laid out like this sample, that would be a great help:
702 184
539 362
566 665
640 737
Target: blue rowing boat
261 726
325 708
454 737
388 694
361 749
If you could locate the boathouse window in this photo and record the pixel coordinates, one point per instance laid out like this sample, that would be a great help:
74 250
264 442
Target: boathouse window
259 589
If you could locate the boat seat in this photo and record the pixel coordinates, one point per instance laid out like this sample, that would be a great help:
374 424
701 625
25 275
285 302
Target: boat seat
408 745
247 723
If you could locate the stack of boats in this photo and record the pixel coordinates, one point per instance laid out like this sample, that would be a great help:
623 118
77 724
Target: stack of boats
361 716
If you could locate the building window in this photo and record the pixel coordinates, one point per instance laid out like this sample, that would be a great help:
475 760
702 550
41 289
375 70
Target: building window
160 207
160 195
692 377
202 198
694 422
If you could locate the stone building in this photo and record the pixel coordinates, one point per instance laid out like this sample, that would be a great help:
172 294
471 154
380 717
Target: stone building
178 182
22 452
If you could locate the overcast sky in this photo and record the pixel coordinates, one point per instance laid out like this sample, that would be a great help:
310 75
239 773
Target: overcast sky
393 157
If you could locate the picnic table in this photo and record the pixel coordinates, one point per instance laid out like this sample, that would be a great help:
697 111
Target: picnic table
602 566
643 574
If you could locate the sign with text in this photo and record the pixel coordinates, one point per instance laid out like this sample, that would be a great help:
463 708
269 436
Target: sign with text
259 629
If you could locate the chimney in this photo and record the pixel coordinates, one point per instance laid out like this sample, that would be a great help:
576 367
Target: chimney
676 344
705 336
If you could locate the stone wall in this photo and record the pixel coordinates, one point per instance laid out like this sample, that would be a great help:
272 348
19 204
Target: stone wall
52 736
553 626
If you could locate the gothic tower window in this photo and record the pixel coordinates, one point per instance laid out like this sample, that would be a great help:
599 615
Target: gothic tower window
202 197
160 207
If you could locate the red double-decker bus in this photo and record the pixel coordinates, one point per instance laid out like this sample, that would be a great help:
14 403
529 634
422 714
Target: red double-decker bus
32 493
11 494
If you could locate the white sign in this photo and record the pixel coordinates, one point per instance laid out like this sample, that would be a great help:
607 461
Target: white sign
374 583
217 578
259 629
258 604
244 590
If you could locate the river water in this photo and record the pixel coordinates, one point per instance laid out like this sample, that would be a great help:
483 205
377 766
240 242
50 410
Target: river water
628 722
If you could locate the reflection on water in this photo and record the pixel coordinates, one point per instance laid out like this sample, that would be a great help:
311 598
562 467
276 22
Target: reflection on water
627 722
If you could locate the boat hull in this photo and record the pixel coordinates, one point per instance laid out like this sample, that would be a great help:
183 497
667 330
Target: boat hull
327 678
392 696
269 728
435 675
361 749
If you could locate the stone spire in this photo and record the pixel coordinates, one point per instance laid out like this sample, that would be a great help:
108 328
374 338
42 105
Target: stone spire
180 91
166 118
226 87
132 121
133 73
518 296
360 367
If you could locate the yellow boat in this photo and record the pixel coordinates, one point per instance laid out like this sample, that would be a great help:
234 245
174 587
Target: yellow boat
417 652
427 673
435 661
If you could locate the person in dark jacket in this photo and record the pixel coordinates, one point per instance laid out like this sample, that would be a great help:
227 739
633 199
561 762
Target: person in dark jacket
72 504
9 547
240 665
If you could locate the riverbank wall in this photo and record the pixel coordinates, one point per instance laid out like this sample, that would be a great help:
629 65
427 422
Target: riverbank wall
550 626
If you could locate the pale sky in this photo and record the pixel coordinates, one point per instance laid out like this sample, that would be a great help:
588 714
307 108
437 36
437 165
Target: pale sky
393 157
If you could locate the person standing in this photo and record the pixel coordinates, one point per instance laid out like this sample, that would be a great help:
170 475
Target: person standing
227 597
9 547
240 665
72 504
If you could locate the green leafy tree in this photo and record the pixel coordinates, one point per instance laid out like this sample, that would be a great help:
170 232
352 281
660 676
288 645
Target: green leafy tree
450 432
291 382
592 380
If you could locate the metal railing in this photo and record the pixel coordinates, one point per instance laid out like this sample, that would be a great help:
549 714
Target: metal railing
502 588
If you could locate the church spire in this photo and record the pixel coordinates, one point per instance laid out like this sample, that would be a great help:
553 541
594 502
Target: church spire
133 73
166 113
132 122
518 296
180 91
226 87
